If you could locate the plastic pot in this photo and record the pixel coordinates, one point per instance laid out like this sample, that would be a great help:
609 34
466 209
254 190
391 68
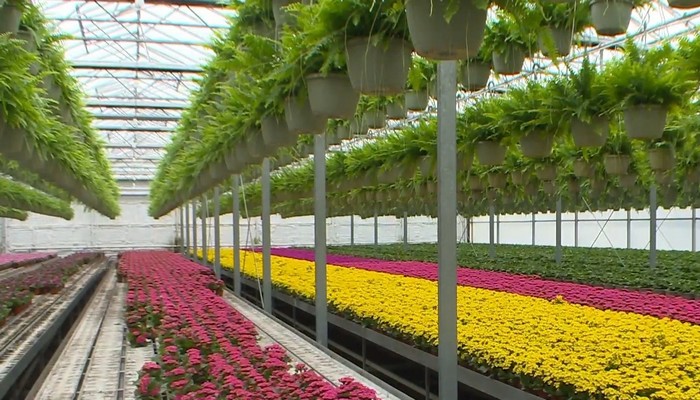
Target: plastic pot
262 29
475 75
374 119
281 16
549 187
426 165
490 153
537 144
663 179
662 159
10 18
583 169
255 146
12 139
275 132
378 69
510 62
590 134
475 183
611 17
560 42
396 110
616 164
628 181
233 163
300 119
435 38
332 96
342 132
496 180
645 122
548 172
683 4
357 127
518 177
416 100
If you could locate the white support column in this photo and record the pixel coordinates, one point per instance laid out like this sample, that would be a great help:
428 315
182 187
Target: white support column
694 234
629 229
352 230
652 225
267 264
205 245
236 238
321 300
194 228
376 228
533 228
405 229
498 228
181 212
217 234
492 232
558 250
187 229
576 228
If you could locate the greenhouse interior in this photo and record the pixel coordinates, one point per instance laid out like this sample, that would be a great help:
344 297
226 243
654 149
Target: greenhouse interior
349 199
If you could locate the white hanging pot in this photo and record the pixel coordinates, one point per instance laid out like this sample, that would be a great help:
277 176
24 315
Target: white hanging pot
255 147
426 165
662 159
693 175
416 100
490 153
52 89
583 169
435 38
645 122
628 181
275 132
300 119
374 119
378 68
597 186
547 172
549 187
475 75
465 161
611 17
357 127
616 164
590 134
332 95
396 110
518 177
232 162
497 180
574 186
342 132
537 144
13 140
261 28
531 189
10 18
510 62
281 15
561 41
663 179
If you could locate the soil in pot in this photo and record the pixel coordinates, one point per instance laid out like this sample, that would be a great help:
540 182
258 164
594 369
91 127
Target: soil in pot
490 153
396 110
558 39
435 38
683 4
662 159
10 17
416 100
378 69
275 132
611 17
537 144
374 119
510 62
645 122
300 119
475 75
332 96
616 164
590 134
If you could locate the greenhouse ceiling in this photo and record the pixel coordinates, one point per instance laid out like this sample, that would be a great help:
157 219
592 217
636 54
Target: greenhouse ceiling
138 61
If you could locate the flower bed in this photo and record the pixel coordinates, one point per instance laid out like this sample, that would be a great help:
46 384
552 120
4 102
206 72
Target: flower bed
207 350
568 351
12 260
16 292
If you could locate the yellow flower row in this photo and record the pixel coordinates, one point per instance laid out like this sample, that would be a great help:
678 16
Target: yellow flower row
619 355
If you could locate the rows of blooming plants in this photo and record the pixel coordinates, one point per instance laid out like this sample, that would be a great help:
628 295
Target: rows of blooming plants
207 350
17 291
557 340
13 260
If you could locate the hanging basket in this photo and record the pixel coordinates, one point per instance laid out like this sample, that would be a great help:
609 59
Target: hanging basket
616 164
549 187
427 166
233 163
663 179
332 95
531 189
496 180
561 40
396 110
662 159
684 4
490 153
53 91
416 100
547 172
537 144
574 186
435 38
518 177
475 183
10 17
378 69
300 119
590 134
464 161
275 132
357 127
255 146
583 169
628 181
693 175
342 132
475 75
282 17
645 122
374 119
611 17
262 29
510 62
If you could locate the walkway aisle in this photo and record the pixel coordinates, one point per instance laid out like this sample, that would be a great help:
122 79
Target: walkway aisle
300 349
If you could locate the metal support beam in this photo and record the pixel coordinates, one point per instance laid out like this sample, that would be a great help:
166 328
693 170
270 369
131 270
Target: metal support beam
181 211
267 264
376 228
492 232
447 229
576 228
694 234
533 228
205 245
137 66
236 238
558 251
652 225
194 228
160 105
498 228
352 230
136 117
405 229
320 239
217 234
187 229
132 128
629 229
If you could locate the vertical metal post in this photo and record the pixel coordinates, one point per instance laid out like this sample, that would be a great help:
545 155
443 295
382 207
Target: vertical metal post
447 229
498 228
533 228
217 234
194 229
629 229
205 245
558 252
352 230
267 264
492 232
3 235
469 230
320 239
376 228
576 228
181 211
694 234
236 238
187 230
652 225
405 228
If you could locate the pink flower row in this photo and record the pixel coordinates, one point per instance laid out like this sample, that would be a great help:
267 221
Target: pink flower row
8 260
640 302
207 350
